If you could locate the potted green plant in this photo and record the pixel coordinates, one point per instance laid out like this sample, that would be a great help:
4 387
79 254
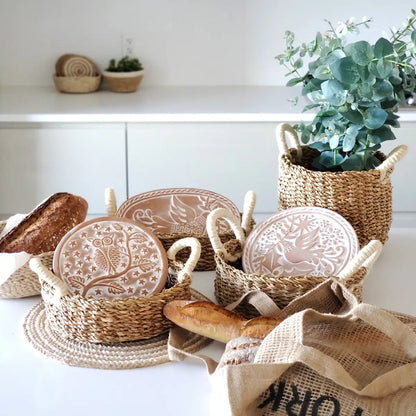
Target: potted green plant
355 88
124 75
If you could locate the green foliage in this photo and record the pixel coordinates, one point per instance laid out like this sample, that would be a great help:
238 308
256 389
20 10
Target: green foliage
356 88
125 64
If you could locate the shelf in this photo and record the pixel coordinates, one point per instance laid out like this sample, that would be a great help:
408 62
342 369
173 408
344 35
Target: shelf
21 104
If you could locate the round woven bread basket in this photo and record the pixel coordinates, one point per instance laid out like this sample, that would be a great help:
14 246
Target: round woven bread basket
77 85
363 198
232 282
23 282
115 320
206 261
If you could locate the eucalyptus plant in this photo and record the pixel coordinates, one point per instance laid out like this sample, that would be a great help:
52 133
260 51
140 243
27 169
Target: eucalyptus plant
355 88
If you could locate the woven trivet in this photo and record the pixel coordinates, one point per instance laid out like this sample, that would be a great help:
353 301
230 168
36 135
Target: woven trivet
123 355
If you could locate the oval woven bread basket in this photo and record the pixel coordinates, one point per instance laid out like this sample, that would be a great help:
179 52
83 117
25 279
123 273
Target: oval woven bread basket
206 261
232 282
115 320
23 282
363 198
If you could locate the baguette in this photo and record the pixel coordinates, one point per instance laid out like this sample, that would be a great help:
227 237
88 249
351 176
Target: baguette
210 320
41 230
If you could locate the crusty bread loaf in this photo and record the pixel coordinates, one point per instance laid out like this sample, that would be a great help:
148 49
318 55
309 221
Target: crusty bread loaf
212 321
42 229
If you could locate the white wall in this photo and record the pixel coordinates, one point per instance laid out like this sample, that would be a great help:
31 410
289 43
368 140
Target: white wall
180 42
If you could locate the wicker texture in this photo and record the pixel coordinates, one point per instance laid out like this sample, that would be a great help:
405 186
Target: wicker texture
77 85
111 320
232 282
207 261
23 282
124 81
134 354
364 198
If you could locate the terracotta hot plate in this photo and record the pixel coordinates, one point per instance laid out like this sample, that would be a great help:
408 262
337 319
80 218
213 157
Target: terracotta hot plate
111 257
176 210
300 241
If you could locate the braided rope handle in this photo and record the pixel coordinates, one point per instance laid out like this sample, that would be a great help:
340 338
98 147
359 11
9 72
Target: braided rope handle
393 157
190 264
282 131
110 201
60 289
248 209
214 238
366 257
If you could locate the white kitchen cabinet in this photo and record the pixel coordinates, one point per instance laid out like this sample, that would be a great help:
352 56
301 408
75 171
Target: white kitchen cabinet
404 174
40 159
228 158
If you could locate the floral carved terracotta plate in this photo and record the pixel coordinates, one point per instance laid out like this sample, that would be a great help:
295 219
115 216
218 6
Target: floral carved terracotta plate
176 210
300 241
111 257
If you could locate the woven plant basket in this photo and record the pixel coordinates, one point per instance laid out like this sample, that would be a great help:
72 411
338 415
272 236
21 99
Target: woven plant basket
206 261
23 282
124 81
231 282
114 320
363 198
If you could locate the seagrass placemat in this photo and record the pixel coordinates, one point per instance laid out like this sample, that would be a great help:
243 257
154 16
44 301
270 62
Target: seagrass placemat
124 355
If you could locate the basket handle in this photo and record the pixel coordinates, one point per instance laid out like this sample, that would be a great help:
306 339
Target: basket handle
366 257
248 209
190 264
60 289
110 201
394 156
213 232
281 139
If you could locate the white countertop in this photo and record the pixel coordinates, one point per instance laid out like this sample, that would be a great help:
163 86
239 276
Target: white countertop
31 384
27 104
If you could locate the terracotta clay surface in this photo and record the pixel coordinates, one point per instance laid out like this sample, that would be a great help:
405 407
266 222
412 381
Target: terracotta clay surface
300 241
111 257
176 210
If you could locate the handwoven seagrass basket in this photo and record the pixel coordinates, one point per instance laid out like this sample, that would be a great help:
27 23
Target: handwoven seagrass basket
206 261
23 282
232 282
363 198
93 320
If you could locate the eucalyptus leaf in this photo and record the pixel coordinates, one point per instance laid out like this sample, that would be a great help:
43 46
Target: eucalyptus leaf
354 117
345 70
374 117
383 48
361 52
382 90
294 81
383 133
354 162
334 92
321 146
330 158
348 143
384 68
334 141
